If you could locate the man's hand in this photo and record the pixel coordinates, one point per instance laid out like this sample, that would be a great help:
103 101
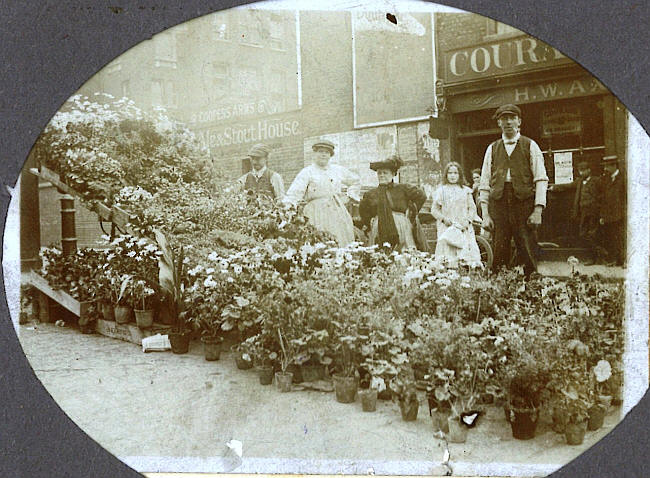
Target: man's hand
487 223
535 218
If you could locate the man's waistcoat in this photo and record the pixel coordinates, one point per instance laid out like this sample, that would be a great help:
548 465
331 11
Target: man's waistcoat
520 172
262 185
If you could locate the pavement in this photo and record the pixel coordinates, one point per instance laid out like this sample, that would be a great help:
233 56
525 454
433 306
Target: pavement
161 412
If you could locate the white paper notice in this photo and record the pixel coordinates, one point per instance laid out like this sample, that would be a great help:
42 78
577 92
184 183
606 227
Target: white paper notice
563 167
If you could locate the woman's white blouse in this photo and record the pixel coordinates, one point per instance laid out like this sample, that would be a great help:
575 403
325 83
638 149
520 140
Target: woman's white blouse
315 183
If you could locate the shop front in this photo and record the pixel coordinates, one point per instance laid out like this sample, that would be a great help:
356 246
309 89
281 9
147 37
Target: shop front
569 113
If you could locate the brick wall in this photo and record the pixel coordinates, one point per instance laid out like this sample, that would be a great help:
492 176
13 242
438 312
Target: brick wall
456 30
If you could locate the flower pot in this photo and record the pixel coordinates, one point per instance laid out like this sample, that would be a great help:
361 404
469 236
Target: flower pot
560 420
180 342
266 374
211 348
409 410
311 373
108 312
242 363
296 370
523 422
123 314
457 431
283 380
368 400
144 318
345 388
575 433
385 394
596 417
439 419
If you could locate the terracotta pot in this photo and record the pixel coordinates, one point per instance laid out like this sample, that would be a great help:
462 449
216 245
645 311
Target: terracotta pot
242 363
144 318
457 431
345 388
284 380
211 348
265 374
439 419
575 433
108 312
368 400
409 410
180 342
523 422
123 314
596 417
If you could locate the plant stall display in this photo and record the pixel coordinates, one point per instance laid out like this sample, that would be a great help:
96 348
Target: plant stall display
235 266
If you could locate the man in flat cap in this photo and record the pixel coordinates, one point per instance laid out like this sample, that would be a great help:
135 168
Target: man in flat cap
585 211
512 192
261 180
613 210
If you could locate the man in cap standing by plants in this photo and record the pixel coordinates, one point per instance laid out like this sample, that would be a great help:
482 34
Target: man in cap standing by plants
512 191
260 179
613 211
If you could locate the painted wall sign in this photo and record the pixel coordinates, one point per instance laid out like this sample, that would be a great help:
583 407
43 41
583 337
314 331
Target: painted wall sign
554 90
261 130
500 58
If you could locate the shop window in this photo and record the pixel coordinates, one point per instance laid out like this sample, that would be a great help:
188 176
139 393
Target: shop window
165 50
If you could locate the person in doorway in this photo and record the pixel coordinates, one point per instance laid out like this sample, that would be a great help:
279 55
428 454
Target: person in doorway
613 211
261 180
512 191
585 211
454 209
383 210
320 186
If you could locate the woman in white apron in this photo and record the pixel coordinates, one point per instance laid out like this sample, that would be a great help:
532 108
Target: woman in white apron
321 185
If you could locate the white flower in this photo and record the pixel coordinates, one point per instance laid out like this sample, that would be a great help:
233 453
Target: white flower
212 256
209 270
573 261
130 253
110 256
603 370
237 269
209 282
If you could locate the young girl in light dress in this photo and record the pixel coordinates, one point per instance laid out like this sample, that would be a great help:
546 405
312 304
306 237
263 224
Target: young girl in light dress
453 207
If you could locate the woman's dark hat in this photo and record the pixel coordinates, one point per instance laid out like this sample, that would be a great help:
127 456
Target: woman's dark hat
324 144
393 163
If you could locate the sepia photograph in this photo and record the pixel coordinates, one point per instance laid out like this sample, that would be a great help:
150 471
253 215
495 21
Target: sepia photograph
337 240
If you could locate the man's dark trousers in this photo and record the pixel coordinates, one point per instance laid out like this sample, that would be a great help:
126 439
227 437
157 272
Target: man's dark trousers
510 217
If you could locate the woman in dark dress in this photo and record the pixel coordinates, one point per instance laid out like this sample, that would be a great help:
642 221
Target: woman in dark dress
383 209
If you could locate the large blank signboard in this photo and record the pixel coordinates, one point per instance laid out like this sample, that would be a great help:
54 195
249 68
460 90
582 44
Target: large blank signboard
393 67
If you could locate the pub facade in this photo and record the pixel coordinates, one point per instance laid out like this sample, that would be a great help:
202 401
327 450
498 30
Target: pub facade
569 113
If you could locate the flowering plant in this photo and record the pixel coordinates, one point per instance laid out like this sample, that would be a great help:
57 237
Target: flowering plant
144 295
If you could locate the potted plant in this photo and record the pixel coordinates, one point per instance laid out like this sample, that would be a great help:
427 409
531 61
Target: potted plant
602 371
170 273
345 379
405 392
525 388
145 296
283 378
123 309
439 397
369 395
243 356
263 358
